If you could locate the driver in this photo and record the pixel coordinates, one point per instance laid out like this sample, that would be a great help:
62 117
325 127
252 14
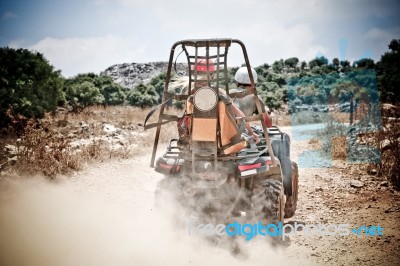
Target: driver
202 81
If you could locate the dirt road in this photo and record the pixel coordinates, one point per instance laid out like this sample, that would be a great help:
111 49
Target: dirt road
105 216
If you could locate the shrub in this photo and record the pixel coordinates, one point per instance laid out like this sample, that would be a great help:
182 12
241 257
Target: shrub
83 94
28 84
143 96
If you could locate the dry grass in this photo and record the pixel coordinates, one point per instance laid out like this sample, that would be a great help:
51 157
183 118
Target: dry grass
125 117
42 150
283 118
339 148
333 139
315 144
387 141
46 146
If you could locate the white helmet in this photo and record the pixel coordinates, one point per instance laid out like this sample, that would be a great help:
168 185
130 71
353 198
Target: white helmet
242 76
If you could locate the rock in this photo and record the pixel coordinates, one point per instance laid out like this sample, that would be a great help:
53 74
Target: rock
131 75
319 189
356 184
61 110
76 144
372 171
13 160
71 135
84 126
62 123
111 130
11 149
384 184
352 129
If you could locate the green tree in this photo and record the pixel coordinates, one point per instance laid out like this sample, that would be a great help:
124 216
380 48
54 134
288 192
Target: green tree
265 66
81 95
143 96
158 84
365 63
318 61
28 84
394 45
292 62
388 71
262 72
113 94
350 92
345 63
102 89
336 63
272 94
277 66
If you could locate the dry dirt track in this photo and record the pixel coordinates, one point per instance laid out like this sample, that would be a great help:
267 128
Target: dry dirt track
105 216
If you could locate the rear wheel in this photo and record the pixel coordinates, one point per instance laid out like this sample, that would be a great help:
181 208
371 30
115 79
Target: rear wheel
268 201
291 201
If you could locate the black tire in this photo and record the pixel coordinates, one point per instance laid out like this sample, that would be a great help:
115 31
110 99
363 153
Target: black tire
268 201
291 201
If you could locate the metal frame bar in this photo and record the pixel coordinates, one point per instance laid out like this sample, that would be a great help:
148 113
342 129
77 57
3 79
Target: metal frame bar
226 43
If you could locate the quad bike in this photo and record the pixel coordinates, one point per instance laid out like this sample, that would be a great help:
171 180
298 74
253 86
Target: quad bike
216 168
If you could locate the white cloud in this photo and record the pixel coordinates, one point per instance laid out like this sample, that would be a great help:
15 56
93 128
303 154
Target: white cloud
271 42
380 38
268 42
270 29
275 28
265 43
381 34
80 55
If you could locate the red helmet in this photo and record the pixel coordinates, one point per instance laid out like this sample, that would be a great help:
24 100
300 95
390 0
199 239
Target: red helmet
202 65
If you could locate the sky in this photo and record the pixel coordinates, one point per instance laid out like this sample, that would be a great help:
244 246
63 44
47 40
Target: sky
80 36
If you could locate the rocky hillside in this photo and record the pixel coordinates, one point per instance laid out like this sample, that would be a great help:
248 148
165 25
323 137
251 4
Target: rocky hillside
130 75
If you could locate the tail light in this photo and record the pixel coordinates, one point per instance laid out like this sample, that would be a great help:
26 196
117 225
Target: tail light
255 166
249 166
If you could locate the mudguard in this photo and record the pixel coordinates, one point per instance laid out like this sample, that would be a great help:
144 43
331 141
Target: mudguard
287 172
281 147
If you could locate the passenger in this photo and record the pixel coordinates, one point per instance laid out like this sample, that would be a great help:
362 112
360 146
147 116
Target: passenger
247 104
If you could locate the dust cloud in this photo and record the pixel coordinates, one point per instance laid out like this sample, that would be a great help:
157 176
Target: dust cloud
44 223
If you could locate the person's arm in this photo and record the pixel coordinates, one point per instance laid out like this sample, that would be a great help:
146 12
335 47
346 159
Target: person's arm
267 118
239 113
